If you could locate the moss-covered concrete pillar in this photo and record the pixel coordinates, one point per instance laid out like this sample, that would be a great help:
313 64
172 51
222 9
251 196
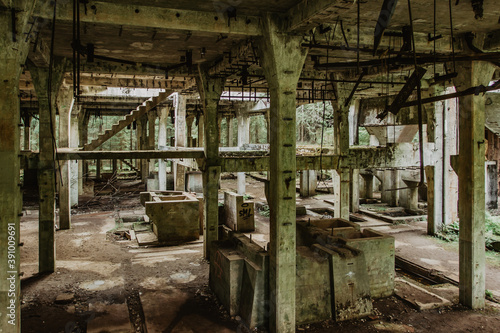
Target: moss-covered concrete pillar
83 136
341 176
354 190
142 144
243 138
282 58
151 141
74 165
471 182
65 106
12 56
210 90
27 132
162 142
47 93
180 140
189 127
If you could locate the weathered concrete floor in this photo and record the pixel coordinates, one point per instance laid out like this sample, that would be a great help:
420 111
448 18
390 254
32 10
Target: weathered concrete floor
107 286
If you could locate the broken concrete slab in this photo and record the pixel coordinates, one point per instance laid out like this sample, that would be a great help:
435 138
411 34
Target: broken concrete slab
417 296
64 298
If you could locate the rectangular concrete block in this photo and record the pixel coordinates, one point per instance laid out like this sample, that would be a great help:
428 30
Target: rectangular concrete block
380 259
175 216
239 215
194 181
349 282
312 284
225 279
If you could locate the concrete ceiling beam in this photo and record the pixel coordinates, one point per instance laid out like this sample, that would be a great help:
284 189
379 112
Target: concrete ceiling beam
155 17
308 13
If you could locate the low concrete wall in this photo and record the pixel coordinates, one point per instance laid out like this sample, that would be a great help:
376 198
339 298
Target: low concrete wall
380 259
239 276
339 271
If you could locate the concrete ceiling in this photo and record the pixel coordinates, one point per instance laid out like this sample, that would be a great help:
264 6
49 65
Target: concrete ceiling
144 40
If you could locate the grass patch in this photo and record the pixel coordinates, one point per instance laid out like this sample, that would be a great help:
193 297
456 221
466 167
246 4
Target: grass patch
492 231
264 211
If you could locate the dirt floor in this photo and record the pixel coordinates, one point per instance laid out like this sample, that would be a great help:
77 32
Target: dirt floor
105 283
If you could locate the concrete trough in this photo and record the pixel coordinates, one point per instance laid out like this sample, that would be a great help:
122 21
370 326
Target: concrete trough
176 216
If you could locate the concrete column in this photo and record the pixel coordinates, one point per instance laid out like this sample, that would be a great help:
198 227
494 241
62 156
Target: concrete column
74 181
409 199
268 126
83 124
65 105
491 184
367 192
450 177
162 142
308 183
341 144
396 183
282 58
435 172
243 138
13 54
354 204
142 142
151 142
46 167
27 132
98 165
201 131
180 140
341 191
210 90
230 128
471 182
389 184
189 126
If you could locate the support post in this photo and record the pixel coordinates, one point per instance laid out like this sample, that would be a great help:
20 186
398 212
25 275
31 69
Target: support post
13 55
230 126
210 90
471 183
65 105
46 167
162 142
151 142
83 125
367 192
74 165
341 145
180 140
282 58
142 136
435 172
243 138
308 182
354 190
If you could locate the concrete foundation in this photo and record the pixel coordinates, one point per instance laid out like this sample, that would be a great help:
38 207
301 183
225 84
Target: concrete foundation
175 215
339 271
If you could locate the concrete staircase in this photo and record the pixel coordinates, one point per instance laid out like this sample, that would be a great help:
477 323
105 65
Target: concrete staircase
129 119
130 165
